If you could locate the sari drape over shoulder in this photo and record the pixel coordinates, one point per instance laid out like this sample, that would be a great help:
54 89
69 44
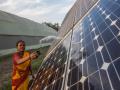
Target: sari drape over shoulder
20 75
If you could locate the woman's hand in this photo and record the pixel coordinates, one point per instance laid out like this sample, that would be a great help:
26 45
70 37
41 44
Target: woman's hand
33 55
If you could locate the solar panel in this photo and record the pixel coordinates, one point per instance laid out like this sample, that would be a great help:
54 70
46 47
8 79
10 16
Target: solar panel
92 57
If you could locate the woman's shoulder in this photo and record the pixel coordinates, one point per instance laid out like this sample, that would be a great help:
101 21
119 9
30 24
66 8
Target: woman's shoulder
16 53
26 52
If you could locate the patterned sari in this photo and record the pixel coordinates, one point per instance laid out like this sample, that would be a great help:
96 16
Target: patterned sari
20 76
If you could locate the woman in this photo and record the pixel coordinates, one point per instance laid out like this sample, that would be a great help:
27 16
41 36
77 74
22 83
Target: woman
21 67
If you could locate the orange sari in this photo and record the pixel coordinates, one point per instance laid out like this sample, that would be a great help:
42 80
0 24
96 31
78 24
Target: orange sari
20 76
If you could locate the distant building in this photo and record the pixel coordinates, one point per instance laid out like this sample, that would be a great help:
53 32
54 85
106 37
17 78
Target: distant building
14 28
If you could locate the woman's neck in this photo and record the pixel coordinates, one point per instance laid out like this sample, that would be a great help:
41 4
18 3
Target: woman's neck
21 53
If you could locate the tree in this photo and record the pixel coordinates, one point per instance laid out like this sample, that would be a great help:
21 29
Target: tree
54 26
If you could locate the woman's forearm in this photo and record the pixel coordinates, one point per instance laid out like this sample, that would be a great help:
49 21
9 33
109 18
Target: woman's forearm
30 57
22 60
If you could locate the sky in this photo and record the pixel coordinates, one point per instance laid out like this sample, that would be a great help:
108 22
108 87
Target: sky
40 11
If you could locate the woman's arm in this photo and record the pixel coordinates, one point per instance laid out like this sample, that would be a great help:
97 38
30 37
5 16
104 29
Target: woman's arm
19 60
22 60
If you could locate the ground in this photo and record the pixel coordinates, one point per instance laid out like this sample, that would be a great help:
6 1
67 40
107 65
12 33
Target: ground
6 68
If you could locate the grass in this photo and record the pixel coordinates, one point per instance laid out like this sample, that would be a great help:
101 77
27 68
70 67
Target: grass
5 75
6 68
7 86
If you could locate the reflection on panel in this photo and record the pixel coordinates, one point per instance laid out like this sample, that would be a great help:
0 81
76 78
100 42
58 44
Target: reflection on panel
89 58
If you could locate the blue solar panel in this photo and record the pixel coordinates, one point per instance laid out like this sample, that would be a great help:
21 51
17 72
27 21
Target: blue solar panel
92 56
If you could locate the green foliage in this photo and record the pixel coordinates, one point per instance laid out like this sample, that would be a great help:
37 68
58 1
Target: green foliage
54 26
7 86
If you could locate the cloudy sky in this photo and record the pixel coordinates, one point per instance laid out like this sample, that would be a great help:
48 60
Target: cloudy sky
38 10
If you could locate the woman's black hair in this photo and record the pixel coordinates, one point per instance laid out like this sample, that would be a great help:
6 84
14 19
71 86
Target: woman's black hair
19 42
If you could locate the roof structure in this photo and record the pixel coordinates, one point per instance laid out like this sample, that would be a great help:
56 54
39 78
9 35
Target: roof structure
14 25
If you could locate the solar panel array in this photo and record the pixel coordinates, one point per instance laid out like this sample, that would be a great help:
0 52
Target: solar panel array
89 57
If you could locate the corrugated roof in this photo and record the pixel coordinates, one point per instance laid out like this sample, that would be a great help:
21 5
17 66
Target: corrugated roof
14 25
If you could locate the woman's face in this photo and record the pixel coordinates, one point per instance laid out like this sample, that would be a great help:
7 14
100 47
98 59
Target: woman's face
21 46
